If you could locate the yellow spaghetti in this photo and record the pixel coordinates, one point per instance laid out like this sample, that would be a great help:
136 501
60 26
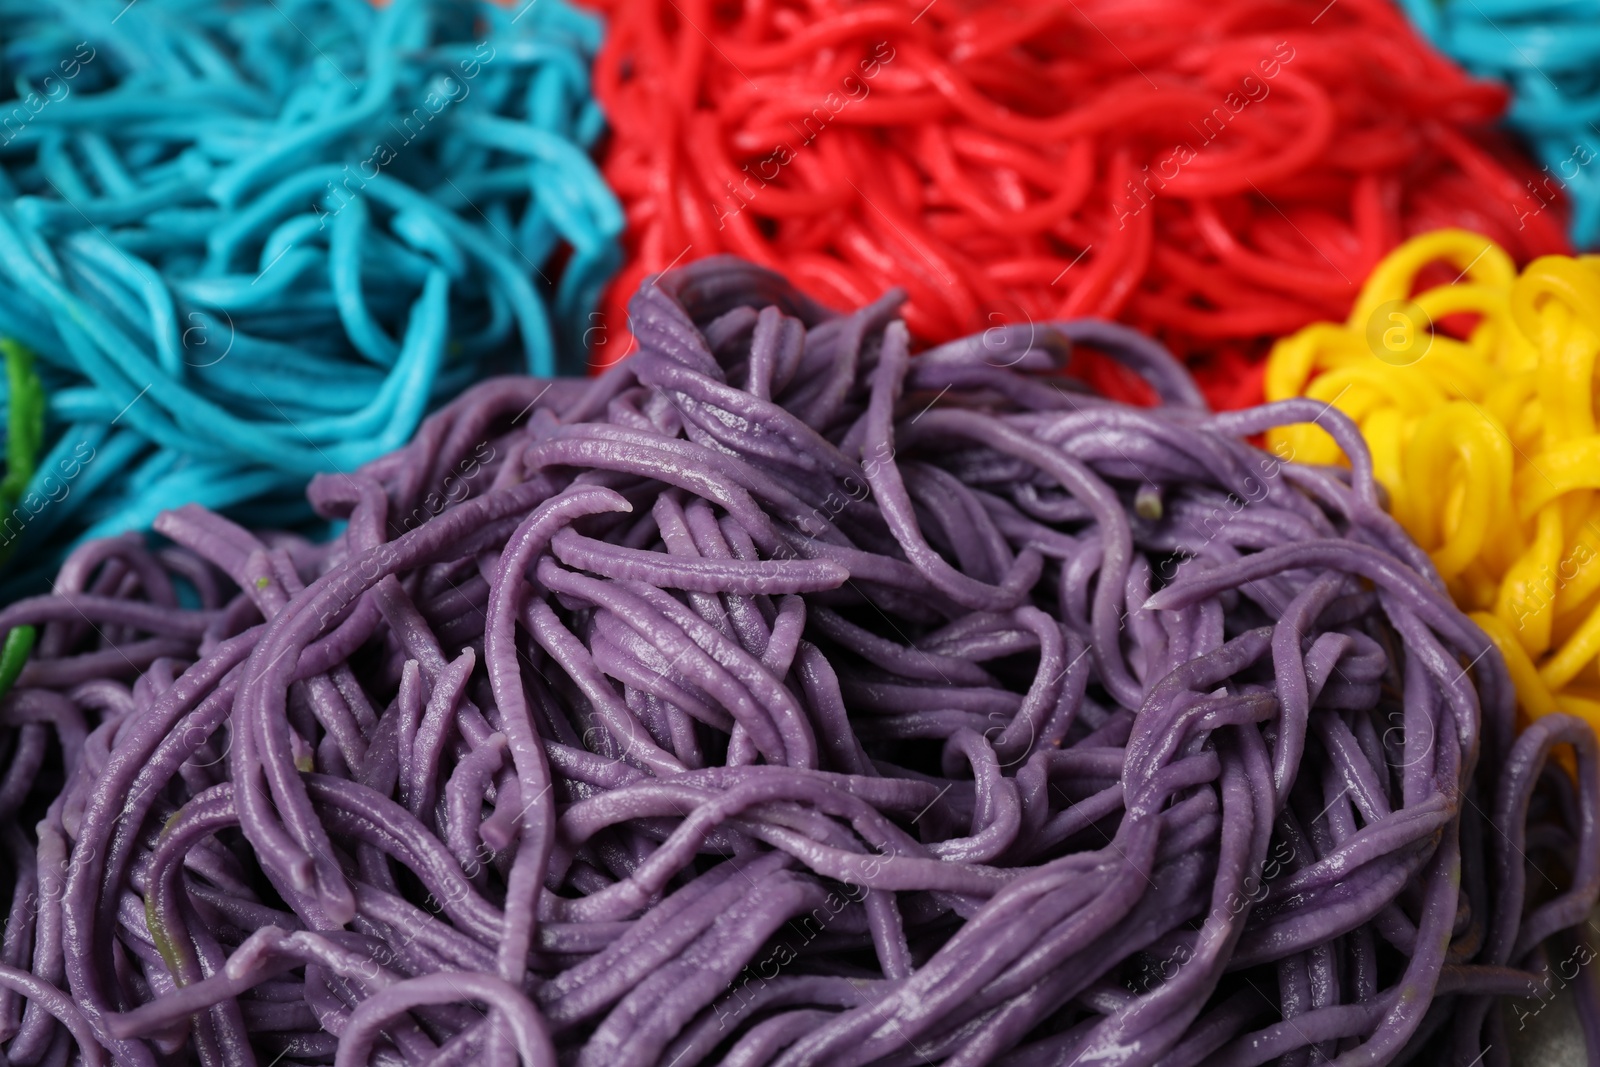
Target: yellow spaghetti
1478 400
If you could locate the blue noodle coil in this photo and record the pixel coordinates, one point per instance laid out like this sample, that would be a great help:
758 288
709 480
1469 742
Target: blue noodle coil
257 240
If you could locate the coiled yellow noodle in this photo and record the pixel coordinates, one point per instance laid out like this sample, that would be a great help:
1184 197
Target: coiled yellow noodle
1488 445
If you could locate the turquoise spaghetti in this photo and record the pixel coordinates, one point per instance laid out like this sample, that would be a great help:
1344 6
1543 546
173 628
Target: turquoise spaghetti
253 241
1548 52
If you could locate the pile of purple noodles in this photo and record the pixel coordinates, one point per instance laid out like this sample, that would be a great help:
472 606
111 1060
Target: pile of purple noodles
779 699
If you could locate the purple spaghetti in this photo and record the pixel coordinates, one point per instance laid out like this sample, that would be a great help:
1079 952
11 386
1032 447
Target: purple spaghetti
780 699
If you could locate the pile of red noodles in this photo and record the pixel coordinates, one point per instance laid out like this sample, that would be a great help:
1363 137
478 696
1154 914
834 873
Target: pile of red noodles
1215 173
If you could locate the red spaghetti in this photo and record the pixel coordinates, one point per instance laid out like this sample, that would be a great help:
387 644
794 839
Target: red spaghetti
1215 172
